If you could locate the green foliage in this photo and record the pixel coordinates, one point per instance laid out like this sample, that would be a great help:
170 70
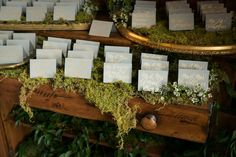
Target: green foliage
83 17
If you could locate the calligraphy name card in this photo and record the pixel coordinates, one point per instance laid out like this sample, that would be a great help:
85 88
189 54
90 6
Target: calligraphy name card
181 21
117 57
11 54
149 80
27 36
148 64
63 40
86 54
218 22
191 78
56 45
35 13
24 43
65 13
42 68
188 64
2 42
101 28
78 67
9 13
114 72
50 54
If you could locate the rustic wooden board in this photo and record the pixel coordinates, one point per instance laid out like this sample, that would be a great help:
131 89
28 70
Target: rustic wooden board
183 122
3 142
34 27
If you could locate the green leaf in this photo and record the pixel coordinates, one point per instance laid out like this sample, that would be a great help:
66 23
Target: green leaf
40 140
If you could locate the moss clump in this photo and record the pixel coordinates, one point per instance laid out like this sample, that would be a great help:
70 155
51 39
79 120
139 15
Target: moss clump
83 17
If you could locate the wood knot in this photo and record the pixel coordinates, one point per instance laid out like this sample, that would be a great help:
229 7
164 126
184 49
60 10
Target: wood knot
149 122
57 105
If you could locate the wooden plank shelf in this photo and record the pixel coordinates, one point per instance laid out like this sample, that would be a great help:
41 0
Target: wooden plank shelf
179 121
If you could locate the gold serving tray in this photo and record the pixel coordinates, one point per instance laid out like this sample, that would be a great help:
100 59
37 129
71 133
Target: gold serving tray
178 48
38 27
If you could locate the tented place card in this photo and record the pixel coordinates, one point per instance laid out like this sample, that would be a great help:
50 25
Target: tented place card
188 64
56 45
117 57
218 21
4 38
114 72
153 56
21 4
36 13
87 45
124 49
11 54
50 54
181 21
29 2
148 64
64 12
143 18
78 67
200 3
27 36
8 13
100 28
86 54
43 68
9 33
191 78
63 40
24 43
2 42
49 5
69 4
149 80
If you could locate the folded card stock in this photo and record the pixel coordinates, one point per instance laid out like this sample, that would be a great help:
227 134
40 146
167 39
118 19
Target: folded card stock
43 68
11 54
50 54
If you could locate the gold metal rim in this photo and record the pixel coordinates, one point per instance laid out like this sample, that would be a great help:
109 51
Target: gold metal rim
178 48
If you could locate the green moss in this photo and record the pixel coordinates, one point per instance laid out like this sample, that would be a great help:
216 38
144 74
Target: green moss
83 17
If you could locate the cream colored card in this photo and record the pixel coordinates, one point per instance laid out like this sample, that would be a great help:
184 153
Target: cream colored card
27 36
63 40
78 67
10 13
24 43
9 33
69 4
189 64
42 68
149 80
2 42
4 38
117 57
21 4
85 47
64 12
153 56
56 45
29 2
114 72
49 5
124 49
50 54
36 13
11 54
81 54
148 64
100 28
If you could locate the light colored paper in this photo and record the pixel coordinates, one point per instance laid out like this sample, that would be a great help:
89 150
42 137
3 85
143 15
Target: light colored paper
100 28
85 47
9 33
50 54
21 4
2 42
114 72
117 57
56 45
181 21
8 13
124 49
81 54
218 22
78 67
11 54
43 68
36 13
29 2
64 12
27 36
69 4
24 43
4 37
68 41
154 56
49 5
148 64
149 80
189 64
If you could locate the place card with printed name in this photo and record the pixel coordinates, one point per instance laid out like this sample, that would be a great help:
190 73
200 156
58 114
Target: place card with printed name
21 4
9 33
199 3
189 64
181 21
191 78
64 12
56 45
11 54
4 38
27 36
42 68
50 54
9 13
24 43
218 22
63 40
49 5
86 47
114 72
149 80
153 56
86 54
78 67
149 64
117 57
100 28
121 49
36 13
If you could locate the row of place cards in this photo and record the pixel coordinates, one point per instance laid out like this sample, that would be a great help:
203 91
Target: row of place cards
180 15
144 14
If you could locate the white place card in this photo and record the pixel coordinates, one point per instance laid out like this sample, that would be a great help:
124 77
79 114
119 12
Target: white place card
193 78
117 57
141 7
189 64
35 13
50 54
151 3
181 21
213 11
49 5
143 19
218 22
54 1
86 54
114 72
8 13
153 56
85 47
24 43
180 10
9 33
149 80
100 28
43 68
2 42
11 54
4 38
21 4
124 49
88 42
78 67
68 41
148 64
69 4
27 36
64 12
199 3
56 45
29 2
